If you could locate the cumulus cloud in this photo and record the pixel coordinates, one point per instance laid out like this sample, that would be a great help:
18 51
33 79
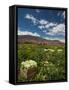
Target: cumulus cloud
50 25
47 27
41 27
32 18
36 21
28 33
43 22
53 29
58 29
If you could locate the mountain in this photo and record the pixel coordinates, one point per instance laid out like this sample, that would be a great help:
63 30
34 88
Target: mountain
37 40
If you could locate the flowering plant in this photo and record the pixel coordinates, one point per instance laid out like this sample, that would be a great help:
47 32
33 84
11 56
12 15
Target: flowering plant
29 63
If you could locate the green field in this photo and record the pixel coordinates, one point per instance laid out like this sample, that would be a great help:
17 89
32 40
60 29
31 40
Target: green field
50 61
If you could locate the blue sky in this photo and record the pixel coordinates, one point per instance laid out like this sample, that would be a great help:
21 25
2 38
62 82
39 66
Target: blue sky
48 24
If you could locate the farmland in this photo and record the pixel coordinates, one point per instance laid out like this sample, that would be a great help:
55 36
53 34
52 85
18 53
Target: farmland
50 61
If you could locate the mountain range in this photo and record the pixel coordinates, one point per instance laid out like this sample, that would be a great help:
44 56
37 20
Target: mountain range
37 40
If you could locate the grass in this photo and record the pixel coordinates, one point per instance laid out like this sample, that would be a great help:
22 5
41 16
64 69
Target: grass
51 65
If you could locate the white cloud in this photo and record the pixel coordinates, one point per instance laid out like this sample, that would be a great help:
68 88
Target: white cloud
46 25
27 33
59 29
31 17
41 27
36 21
43 22
52 28
56 38
56 30
50 25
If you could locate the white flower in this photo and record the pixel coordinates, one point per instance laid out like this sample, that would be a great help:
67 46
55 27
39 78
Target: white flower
22 63
45 49
46 62
51 50
29 63
59 50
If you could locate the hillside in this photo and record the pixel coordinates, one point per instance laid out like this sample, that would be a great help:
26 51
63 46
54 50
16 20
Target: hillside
37 40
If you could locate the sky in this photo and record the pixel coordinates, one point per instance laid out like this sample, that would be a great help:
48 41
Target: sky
45 23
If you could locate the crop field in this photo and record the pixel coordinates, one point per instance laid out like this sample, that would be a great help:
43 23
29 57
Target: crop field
50 60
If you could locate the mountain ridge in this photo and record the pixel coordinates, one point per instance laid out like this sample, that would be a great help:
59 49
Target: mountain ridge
37 40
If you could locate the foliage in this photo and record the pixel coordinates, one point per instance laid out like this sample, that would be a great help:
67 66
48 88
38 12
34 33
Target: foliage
50 63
